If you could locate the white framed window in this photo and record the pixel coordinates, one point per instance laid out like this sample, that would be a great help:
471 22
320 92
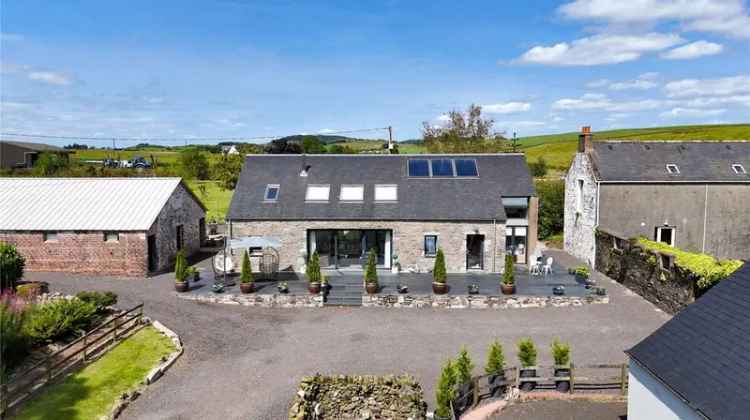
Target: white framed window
352 193
50 236
579 196
738 169
673 169
666 234
111 236
386 192
430 245
317 192
272 192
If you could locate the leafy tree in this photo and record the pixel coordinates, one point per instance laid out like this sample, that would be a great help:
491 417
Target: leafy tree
341 149
495 358
246 275
469 133
312 144
463 367
560 352
283 146
538 168
49 164
438 271
227 171
446 389
371 273
11 266
180 267
551 207
194 164
313 269
526 352
508 274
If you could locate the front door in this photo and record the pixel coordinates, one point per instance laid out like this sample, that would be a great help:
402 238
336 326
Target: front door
152 262
474 252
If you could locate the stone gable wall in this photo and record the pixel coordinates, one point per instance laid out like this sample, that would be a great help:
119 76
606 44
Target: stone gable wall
180 209
579 226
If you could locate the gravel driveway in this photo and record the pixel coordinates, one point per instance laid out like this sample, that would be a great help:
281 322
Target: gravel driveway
243 362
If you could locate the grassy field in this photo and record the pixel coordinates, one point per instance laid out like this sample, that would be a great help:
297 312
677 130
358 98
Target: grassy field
91 392
213 197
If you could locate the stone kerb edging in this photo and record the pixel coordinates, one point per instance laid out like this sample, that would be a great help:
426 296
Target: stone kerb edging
402 301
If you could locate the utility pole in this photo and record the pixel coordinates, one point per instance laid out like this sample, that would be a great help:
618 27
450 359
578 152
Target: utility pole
390 139
515 142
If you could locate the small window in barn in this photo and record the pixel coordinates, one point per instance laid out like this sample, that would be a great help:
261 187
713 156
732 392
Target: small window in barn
50 236
739 169
272 193
180 239
352 193
430 245
111 236
665 234
317 192
386 193
673 169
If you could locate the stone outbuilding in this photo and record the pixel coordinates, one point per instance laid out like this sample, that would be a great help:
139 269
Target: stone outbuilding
474 207
100 226
23 155
693 195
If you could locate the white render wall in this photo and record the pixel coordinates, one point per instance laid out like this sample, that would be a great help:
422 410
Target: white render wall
650 399
579 227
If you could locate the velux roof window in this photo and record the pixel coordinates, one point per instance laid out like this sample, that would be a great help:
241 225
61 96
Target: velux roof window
272 193
672 169
739 169
386 192
352 193
317 192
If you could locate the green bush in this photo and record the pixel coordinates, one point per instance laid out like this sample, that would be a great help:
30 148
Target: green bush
495 358
58 318
371 272
438 271
101 300
539 168
446 390
246 275
29 291
509 277
463 367
313 268
14 343
551 207
582 271
560 352
11 266
526 352
180 267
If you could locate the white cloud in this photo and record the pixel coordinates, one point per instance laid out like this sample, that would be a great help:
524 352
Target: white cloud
643 82
521 123
506 108
707 102
49 77
600 49
326 131
691 113
726 17
591 101
725 86
595 84
693 50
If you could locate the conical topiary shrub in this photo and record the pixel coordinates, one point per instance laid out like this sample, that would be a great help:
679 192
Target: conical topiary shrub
247 282
180 266
371 272
495 358
313 269
527 357
438 271
446 391
464 367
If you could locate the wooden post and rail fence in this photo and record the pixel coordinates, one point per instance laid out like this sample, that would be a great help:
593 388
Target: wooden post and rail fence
24 384
579 378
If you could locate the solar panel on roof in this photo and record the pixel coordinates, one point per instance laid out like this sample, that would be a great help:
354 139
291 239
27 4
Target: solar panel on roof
466 167
442 167
419 167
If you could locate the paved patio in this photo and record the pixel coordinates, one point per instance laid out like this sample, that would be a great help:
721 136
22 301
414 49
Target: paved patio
243 362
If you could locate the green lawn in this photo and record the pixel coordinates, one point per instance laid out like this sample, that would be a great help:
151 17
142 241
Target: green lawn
92 392
213 197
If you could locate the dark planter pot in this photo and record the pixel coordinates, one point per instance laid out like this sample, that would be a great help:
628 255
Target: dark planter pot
527 373
371 288
314 288
582 279
508 289
283 289
181 286
213 228
439 288
196 276
496 386
247 287
562 386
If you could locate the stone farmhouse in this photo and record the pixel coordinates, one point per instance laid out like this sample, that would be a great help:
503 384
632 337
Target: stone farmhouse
474 207
692 195
695 365
23 155
102 226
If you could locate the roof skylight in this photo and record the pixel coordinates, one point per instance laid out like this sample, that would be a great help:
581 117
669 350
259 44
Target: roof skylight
673 169
739 169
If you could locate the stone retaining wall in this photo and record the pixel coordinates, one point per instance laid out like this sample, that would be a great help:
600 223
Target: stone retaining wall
256 299
358 397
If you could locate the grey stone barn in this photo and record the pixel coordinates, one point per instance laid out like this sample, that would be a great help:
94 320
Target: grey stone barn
100 226
693 195
474 207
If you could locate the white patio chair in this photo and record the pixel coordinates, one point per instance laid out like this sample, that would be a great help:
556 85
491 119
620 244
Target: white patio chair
547 269
534 268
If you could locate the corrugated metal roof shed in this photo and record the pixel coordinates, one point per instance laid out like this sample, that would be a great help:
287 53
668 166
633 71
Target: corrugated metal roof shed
121 204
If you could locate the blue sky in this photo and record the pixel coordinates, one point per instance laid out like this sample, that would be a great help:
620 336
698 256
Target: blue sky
246 69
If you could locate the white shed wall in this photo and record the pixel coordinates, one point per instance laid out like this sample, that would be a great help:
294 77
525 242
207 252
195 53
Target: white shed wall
650 399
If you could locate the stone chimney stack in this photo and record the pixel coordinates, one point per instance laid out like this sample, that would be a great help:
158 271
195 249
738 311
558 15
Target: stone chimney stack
584 140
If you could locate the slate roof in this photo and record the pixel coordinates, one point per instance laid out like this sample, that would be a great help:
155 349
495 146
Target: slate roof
39 147
646 161
418 199
59 204
703 353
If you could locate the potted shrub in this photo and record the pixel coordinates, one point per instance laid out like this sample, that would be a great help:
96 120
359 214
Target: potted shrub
527 357
473 289
445 392
561 354
283 287
582 274
508 286
313 274
371 273
11 266
495 367
439 276
247 282
463 367
181 272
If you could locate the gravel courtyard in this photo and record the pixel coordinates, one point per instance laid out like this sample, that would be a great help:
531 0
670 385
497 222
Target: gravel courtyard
243 362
